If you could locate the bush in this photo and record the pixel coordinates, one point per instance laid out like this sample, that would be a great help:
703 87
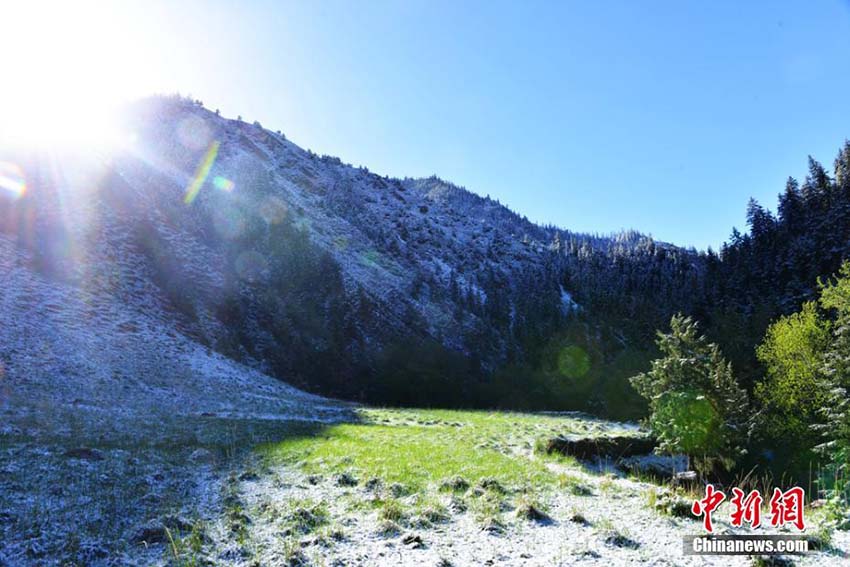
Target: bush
791 395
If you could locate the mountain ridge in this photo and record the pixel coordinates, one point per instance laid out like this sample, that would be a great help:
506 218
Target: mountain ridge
312 270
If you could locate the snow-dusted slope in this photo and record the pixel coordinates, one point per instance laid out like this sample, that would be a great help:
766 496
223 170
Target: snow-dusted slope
388 235
85 328
125 271
67 348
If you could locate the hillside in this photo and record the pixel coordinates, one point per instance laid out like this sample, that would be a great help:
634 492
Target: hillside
226 235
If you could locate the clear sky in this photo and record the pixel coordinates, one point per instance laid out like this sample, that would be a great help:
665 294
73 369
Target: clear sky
595 116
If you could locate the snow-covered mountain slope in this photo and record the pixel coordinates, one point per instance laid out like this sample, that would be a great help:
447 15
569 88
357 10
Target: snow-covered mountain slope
389 236
68 349
85 330
205 244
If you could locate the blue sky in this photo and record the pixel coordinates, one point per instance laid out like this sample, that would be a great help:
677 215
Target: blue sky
595 116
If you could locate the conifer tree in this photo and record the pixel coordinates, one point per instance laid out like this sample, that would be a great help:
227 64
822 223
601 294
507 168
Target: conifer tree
696 406
835 296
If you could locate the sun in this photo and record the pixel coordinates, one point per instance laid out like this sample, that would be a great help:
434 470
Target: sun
66 68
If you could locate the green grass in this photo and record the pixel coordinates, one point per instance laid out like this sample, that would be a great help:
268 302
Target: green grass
422 449
574 485
414 456
417 468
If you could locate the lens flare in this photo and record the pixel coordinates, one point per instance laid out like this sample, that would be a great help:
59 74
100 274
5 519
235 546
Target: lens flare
273 210
223 183
194 133
370 258
690 418
229 222
201 173
573 362
251 266
12 179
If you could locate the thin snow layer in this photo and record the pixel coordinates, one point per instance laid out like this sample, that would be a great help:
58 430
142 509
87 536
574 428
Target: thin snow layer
121 233
613 525
567 301
64 346
385 233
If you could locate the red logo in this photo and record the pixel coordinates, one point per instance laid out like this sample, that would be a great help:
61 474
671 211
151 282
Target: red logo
785 507
713 499
746 509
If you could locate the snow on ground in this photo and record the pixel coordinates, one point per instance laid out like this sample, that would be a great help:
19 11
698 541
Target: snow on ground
614 525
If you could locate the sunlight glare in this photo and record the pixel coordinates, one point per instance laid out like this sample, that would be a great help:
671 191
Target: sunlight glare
12 179
67 68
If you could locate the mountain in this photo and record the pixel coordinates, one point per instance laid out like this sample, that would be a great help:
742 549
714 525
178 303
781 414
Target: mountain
164 305
207 248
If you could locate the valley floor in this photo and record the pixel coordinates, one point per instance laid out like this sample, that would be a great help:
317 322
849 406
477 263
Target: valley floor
358 487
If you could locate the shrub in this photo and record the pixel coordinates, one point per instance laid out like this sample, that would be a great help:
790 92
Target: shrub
791 394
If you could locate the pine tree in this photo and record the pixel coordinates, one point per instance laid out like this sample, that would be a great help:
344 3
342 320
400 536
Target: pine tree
835 296
760 220
817 185
842 168
696 406
791 206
